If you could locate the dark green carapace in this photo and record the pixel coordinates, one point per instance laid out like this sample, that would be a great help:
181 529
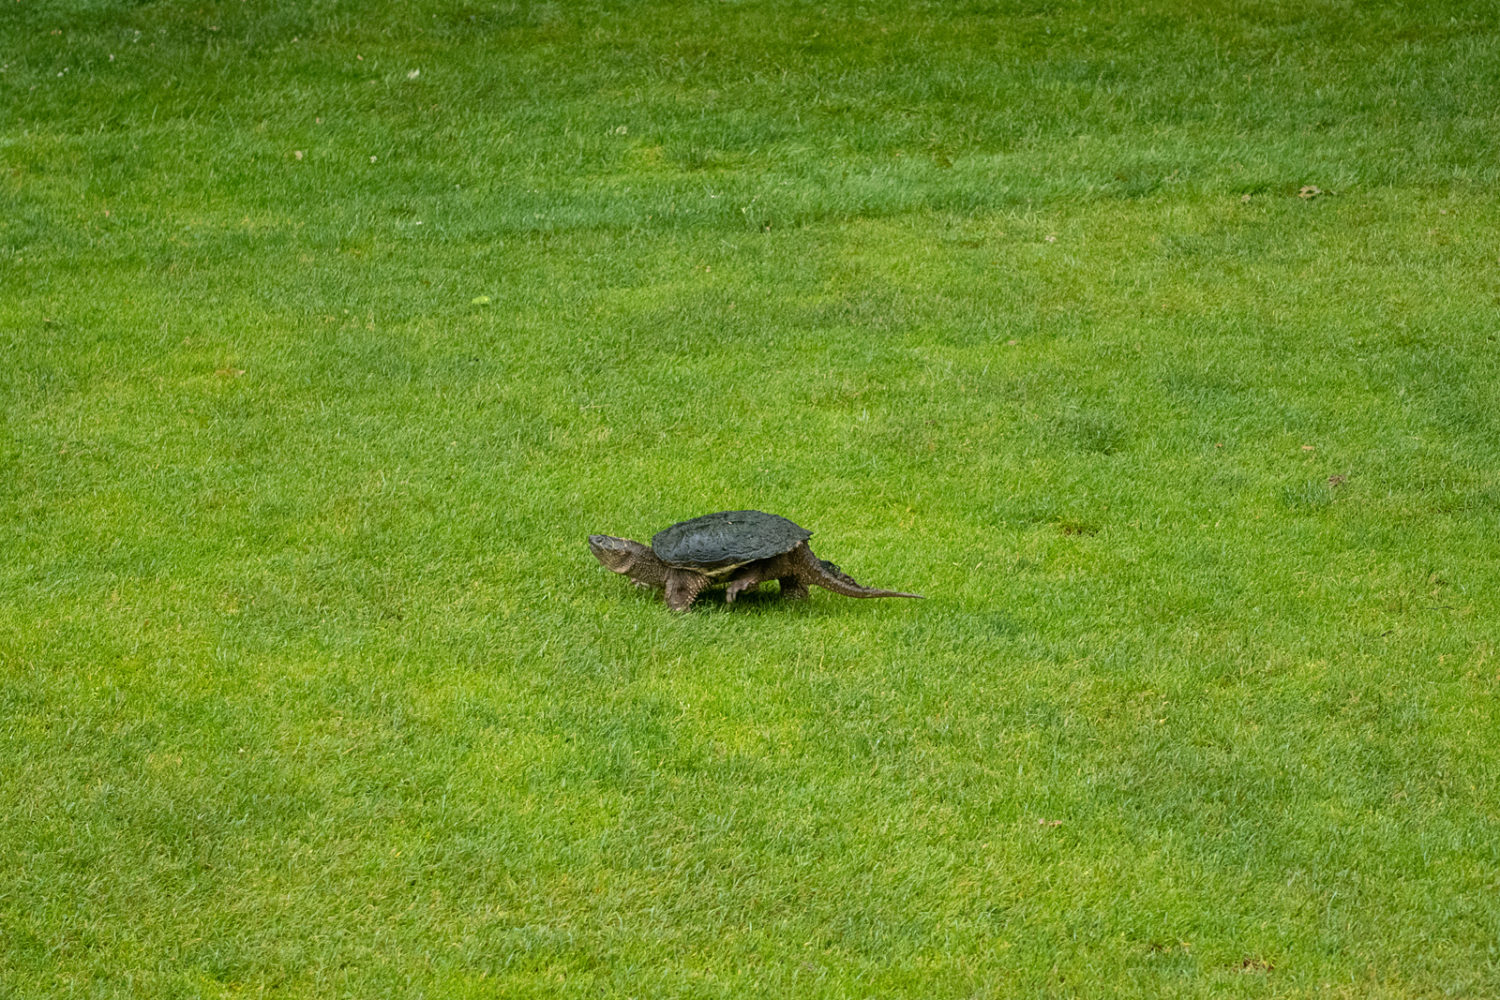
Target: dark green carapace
728 538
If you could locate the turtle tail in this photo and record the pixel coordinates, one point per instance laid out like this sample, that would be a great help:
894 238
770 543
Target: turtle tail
828 576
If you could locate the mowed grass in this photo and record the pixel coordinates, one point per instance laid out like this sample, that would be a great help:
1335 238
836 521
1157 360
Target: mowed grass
330 330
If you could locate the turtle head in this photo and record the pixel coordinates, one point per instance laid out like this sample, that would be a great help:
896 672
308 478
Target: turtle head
621 555
616 554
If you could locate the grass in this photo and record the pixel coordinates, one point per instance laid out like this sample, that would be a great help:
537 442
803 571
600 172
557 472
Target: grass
330 329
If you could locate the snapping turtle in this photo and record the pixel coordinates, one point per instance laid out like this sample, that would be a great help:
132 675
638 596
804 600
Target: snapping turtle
738 548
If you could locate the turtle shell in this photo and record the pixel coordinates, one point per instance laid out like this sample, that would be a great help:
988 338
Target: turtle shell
717 543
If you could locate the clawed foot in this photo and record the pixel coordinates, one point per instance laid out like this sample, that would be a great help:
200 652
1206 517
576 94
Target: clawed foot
739 587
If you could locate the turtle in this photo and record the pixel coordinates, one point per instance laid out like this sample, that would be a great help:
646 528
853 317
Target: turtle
740 549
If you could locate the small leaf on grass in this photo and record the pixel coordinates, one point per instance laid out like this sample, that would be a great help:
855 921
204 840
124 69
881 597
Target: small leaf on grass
1309 191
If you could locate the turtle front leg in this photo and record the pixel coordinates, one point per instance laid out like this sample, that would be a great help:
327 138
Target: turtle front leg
683 587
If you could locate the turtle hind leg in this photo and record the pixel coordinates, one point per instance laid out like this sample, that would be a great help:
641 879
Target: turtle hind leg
683 588
779 568
750 576
747 584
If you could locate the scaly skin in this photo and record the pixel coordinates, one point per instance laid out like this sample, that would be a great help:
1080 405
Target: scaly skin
795 571
637 561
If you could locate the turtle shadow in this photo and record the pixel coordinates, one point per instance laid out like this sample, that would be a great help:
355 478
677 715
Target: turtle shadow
769 602
718 600
715 600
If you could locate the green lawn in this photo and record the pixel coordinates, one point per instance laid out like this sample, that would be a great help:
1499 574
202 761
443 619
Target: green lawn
329 331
